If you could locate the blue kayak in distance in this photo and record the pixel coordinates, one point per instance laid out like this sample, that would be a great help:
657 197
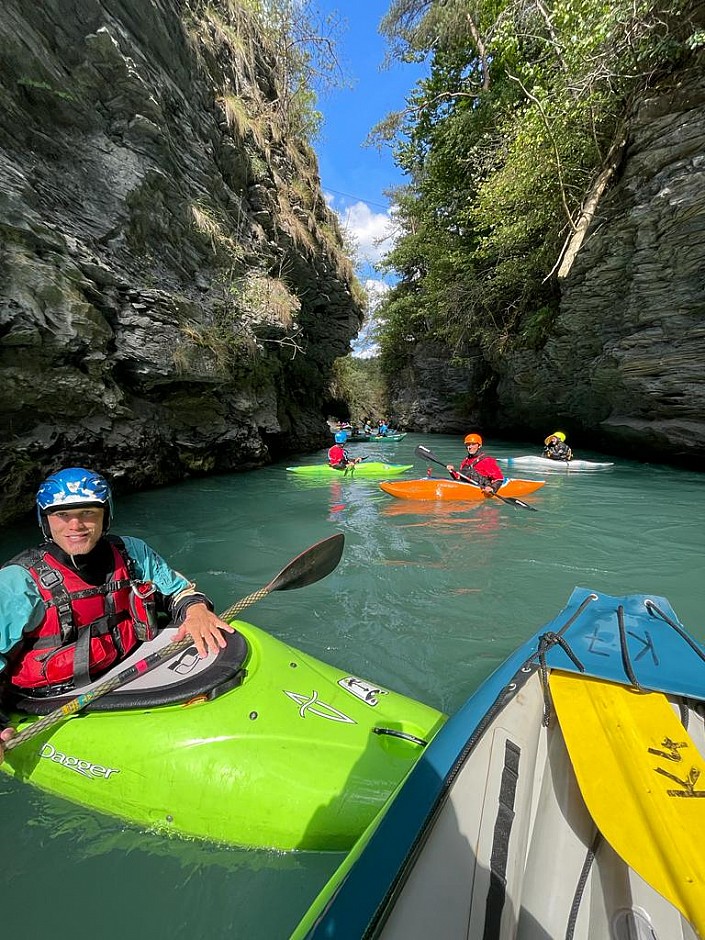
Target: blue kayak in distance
566 798
391 438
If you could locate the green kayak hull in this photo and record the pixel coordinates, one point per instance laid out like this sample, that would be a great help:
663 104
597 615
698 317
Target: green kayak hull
371 470
300 755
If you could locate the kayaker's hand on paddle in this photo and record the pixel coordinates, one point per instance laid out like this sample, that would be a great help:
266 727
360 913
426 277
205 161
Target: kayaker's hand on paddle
5 736
205 628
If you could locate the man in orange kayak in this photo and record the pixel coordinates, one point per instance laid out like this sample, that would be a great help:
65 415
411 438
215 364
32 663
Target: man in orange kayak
338 457
478 466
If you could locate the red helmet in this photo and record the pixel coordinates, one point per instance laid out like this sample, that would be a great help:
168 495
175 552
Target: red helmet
473 439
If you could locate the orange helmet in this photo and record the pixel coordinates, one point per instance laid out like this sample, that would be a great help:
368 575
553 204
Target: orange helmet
473 439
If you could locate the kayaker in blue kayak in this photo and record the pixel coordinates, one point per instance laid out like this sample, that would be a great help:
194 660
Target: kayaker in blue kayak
555 447
81 602
338 456
480 467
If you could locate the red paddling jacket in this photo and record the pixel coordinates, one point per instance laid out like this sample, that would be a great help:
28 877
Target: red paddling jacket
482 469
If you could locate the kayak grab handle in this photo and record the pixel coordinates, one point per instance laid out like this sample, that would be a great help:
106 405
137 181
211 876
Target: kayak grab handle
401 734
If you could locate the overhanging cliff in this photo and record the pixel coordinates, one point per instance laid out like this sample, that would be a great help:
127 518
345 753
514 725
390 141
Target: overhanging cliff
173 290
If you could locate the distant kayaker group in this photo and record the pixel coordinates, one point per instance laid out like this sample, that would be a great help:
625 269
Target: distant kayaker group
366 427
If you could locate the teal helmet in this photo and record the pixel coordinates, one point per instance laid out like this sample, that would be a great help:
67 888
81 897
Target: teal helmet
341 437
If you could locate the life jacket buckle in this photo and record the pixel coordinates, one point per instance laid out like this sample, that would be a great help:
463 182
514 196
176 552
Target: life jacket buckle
50 577
144 591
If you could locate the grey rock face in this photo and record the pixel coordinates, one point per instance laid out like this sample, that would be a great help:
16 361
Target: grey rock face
622 369
171 297
623 366
439 395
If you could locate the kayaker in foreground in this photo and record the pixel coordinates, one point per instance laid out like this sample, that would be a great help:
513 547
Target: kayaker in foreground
555 447
338 456
480 467
82 601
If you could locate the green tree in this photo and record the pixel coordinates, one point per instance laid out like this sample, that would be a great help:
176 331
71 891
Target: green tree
509 144
359 383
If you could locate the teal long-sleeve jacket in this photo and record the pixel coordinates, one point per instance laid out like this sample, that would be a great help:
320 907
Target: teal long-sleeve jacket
22 608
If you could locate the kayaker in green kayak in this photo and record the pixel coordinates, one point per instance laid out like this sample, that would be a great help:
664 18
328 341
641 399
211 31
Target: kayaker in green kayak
555 447
338 456
82 601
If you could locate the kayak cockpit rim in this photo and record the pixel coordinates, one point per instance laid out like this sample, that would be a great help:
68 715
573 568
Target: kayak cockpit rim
180 679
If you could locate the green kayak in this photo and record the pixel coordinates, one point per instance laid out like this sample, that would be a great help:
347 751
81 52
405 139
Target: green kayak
259 745
372 470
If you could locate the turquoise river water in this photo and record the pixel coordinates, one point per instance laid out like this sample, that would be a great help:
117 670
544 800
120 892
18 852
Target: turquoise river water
428 599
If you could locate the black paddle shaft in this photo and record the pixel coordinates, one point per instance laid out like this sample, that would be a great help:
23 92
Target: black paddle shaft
510 500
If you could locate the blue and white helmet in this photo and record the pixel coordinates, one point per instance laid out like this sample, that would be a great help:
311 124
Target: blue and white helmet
71 489
341 437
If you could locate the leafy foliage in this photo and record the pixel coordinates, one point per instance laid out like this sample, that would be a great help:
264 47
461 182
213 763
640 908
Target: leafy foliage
304 43
508 144
360 384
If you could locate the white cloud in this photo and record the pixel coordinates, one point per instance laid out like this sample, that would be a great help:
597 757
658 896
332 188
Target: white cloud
364 346
376 291
371 231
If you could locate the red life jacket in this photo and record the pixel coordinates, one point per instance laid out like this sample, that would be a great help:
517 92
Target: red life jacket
337 455
483 467
86 628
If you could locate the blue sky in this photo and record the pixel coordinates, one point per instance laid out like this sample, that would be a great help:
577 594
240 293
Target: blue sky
354 177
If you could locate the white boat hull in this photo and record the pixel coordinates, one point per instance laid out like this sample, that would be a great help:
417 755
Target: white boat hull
557 466
515 815
501 830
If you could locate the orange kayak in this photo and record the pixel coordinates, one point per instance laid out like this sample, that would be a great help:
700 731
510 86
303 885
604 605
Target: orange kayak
428 488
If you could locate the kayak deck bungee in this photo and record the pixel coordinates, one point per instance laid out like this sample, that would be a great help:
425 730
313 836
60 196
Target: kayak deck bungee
562 800
259 745
369 469
433 488
530 462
